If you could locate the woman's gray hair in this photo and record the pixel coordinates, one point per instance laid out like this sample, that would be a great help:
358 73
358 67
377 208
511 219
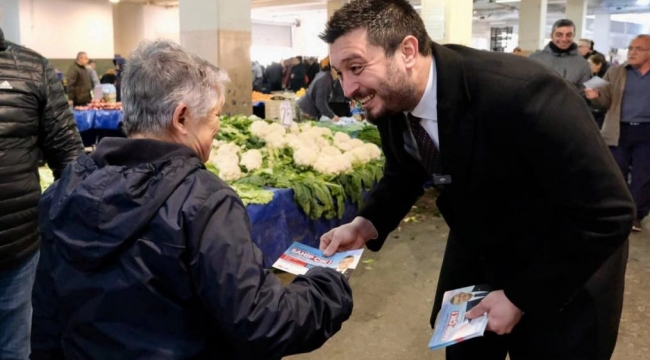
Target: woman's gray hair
159 76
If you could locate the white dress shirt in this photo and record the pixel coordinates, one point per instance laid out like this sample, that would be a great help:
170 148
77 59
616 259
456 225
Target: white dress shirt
427 111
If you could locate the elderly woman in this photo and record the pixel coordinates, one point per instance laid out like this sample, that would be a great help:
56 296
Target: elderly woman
147 255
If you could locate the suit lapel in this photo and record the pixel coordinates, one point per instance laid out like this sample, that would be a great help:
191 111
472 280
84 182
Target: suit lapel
455 121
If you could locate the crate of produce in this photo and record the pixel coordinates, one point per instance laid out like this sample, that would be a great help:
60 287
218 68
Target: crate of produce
273 105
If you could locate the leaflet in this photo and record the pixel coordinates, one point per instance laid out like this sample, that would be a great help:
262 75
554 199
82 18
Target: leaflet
299 258
451 326
595 83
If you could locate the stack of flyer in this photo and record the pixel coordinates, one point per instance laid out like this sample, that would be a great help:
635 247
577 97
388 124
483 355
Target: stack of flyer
299 258
451 326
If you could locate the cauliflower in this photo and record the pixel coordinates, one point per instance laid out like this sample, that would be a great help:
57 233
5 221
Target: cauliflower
355 143
277 128
228 148
359 156
295 129
252 160
343 145
291 139
333 165
341 137
224 160
373 151
305 156
330 151
312 140
259 128
275 140
228 165
230 173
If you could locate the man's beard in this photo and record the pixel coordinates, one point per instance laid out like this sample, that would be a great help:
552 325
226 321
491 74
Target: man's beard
397 92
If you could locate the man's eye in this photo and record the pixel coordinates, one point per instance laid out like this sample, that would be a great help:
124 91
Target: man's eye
356 69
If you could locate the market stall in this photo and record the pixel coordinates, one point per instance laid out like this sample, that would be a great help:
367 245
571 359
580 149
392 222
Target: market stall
97 120
297 183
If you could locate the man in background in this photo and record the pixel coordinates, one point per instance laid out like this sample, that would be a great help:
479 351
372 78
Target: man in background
34 118
586 48
627 124
273 75
561 54
258 76
79 83
92 72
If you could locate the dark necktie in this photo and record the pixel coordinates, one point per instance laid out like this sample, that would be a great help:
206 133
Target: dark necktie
426 147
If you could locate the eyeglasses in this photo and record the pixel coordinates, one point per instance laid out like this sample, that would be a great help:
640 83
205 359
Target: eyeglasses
637 49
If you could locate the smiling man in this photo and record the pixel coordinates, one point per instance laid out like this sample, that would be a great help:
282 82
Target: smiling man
536 205
561 54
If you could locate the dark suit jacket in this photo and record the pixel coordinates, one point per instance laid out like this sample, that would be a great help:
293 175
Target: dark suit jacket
536 203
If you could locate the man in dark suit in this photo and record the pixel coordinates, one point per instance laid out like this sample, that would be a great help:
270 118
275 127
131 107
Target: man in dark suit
535 204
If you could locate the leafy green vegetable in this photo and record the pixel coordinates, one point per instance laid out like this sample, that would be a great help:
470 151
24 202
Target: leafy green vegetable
316 194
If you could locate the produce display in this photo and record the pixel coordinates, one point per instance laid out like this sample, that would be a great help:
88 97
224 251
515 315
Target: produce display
100 104
258 96
322 167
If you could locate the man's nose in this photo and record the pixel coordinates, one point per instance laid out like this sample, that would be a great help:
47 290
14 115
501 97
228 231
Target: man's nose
349 87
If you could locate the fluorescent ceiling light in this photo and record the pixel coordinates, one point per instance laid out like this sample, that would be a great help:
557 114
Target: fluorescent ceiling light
506 1
114 1
643 2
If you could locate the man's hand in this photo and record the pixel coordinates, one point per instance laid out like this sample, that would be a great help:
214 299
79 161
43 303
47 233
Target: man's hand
502 314
591 93
350 236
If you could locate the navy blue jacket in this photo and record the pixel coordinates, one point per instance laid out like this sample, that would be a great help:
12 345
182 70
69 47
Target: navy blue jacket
147 255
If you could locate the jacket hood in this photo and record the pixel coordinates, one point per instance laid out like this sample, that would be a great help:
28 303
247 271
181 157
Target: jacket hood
118 60
105 200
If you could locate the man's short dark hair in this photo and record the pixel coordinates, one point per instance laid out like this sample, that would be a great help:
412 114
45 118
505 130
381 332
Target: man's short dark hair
563 23
80 53
388 22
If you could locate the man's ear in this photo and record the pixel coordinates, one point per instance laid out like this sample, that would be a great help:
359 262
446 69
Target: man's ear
179 119
409 49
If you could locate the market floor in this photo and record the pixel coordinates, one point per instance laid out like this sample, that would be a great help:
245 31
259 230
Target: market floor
394 289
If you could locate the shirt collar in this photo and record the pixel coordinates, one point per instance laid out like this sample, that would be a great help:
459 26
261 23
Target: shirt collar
427 107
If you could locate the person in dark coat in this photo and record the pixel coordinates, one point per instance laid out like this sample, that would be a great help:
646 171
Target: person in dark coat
35 122
313 68
536 205
273 74
109 77
148 255
119 63
79 83
297 75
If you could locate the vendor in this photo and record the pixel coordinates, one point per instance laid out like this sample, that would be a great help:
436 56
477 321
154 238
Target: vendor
315 103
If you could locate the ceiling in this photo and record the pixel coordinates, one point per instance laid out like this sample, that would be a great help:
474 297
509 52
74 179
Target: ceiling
482 8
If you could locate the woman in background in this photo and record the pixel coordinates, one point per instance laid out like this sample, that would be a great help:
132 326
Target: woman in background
599 67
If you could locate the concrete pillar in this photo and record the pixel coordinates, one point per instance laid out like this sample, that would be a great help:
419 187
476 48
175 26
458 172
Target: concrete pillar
128 27
220 32
448 21
532 23
333 5
602 37
10 20
576 10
